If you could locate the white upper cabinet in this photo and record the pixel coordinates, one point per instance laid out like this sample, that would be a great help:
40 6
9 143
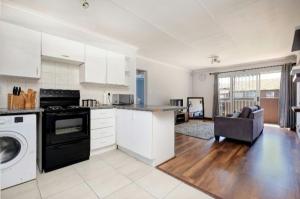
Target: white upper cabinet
94 68
116 64
62 49
20 51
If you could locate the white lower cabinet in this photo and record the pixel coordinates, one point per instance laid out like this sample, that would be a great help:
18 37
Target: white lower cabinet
148 136
134 131
102 129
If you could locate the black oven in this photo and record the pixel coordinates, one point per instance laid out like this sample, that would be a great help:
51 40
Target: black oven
66 126
65 129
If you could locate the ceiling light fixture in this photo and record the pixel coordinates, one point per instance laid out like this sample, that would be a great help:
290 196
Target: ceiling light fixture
214 59
85 4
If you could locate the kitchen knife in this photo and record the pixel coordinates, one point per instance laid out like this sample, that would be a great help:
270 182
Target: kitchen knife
19 91
15 90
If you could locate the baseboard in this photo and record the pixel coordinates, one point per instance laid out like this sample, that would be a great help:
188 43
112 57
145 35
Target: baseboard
102 150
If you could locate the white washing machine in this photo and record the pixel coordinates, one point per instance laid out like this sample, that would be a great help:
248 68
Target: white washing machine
17 149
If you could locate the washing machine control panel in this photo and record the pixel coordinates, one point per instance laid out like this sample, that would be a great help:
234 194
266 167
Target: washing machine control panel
6 120
18 120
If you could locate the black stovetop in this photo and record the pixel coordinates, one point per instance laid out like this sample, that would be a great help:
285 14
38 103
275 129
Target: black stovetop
58 100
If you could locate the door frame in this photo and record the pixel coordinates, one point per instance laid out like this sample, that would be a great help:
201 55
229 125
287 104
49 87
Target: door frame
145 85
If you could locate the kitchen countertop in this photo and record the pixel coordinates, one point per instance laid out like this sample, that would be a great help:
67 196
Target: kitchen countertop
296 108
5 111
151 108
103 106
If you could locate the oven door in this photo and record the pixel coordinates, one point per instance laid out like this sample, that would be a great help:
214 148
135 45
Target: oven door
66 127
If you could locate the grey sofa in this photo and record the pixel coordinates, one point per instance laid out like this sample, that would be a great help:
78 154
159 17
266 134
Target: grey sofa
246 126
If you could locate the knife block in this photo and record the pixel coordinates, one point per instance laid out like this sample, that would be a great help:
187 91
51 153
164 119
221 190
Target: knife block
15 102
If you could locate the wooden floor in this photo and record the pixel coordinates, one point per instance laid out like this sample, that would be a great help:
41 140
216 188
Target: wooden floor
270 169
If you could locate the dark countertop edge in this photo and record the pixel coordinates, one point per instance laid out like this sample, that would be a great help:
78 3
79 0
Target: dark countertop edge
4 111
140 108
296 108
101 107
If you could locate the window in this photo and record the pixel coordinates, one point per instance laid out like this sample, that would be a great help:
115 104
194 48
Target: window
237 90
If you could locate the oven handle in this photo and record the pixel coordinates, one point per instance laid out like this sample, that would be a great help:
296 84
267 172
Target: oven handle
67 114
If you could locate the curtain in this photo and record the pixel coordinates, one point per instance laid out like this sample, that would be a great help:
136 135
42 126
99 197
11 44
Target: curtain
216 96
287 98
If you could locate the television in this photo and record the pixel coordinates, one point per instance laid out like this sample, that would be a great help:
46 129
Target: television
177 102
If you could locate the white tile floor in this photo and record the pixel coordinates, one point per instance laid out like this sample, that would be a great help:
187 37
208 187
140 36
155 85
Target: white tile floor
112 175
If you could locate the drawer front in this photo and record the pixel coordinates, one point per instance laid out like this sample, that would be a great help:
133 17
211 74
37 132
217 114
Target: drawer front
102 113
101 133
102 123
102 142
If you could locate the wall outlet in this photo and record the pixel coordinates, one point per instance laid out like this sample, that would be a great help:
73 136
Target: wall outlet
107 98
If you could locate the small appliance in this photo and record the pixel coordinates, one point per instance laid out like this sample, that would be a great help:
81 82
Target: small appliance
122 99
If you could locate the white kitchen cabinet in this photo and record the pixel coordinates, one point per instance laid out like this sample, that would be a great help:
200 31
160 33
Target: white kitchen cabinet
62 49
149 136
94 68
124 128
134 131
102 129
20 51
116 64
142 133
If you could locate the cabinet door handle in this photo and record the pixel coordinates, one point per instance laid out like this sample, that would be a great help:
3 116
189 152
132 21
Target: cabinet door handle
65 55
37 71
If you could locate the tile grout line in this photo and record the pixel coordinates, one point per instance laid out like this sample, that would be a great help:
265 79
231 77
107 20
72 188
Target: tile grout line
173 189
59 191
145 189
132 181
37 185
85 182
116 172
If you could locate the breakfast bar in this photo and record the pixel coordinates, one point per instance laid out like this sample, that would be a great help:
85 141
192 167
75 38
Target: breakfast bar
146 132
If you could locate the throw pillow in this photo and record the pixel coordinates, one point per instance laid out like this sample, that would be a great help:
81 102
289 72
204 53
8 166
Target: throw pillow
245 112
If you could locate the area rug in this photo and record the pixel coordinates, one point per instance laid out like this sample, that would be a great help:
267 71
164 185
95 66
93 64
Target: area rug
196 128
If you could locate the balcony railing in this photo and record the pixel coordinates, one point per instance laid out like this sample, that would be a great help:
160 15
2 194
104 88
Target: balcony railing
227 107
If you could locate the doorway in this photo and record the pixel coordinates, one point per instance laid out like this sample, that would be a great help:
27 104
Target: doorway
256 88
141 87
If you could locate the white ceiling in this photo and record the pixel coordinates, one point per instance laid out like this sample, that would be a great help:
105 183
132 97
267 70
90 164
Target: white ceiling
186 32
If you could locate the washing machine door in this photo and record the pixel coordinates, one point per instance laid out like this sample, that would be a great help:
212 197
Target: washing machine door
13 147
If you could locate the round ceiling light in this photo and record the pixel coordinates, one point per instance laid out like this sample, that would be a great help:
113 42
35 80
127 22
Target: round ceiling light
85 4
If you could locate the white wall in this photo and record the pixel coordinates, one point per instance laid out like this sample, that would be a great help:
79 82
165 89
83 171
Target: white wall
165 81
203 83
203 86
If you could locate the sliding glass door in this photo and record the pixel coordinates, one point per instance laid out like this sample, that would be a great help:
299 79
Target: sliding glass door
249 88
237 91
245 91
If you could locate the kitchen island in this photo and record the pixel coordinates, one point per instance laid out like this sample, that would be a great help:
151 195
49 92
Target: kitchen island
146 132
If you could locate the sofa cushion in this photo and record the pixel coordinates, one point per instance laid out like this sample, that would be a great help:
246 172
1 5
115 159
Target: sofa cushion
254 108
245 112
235 115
